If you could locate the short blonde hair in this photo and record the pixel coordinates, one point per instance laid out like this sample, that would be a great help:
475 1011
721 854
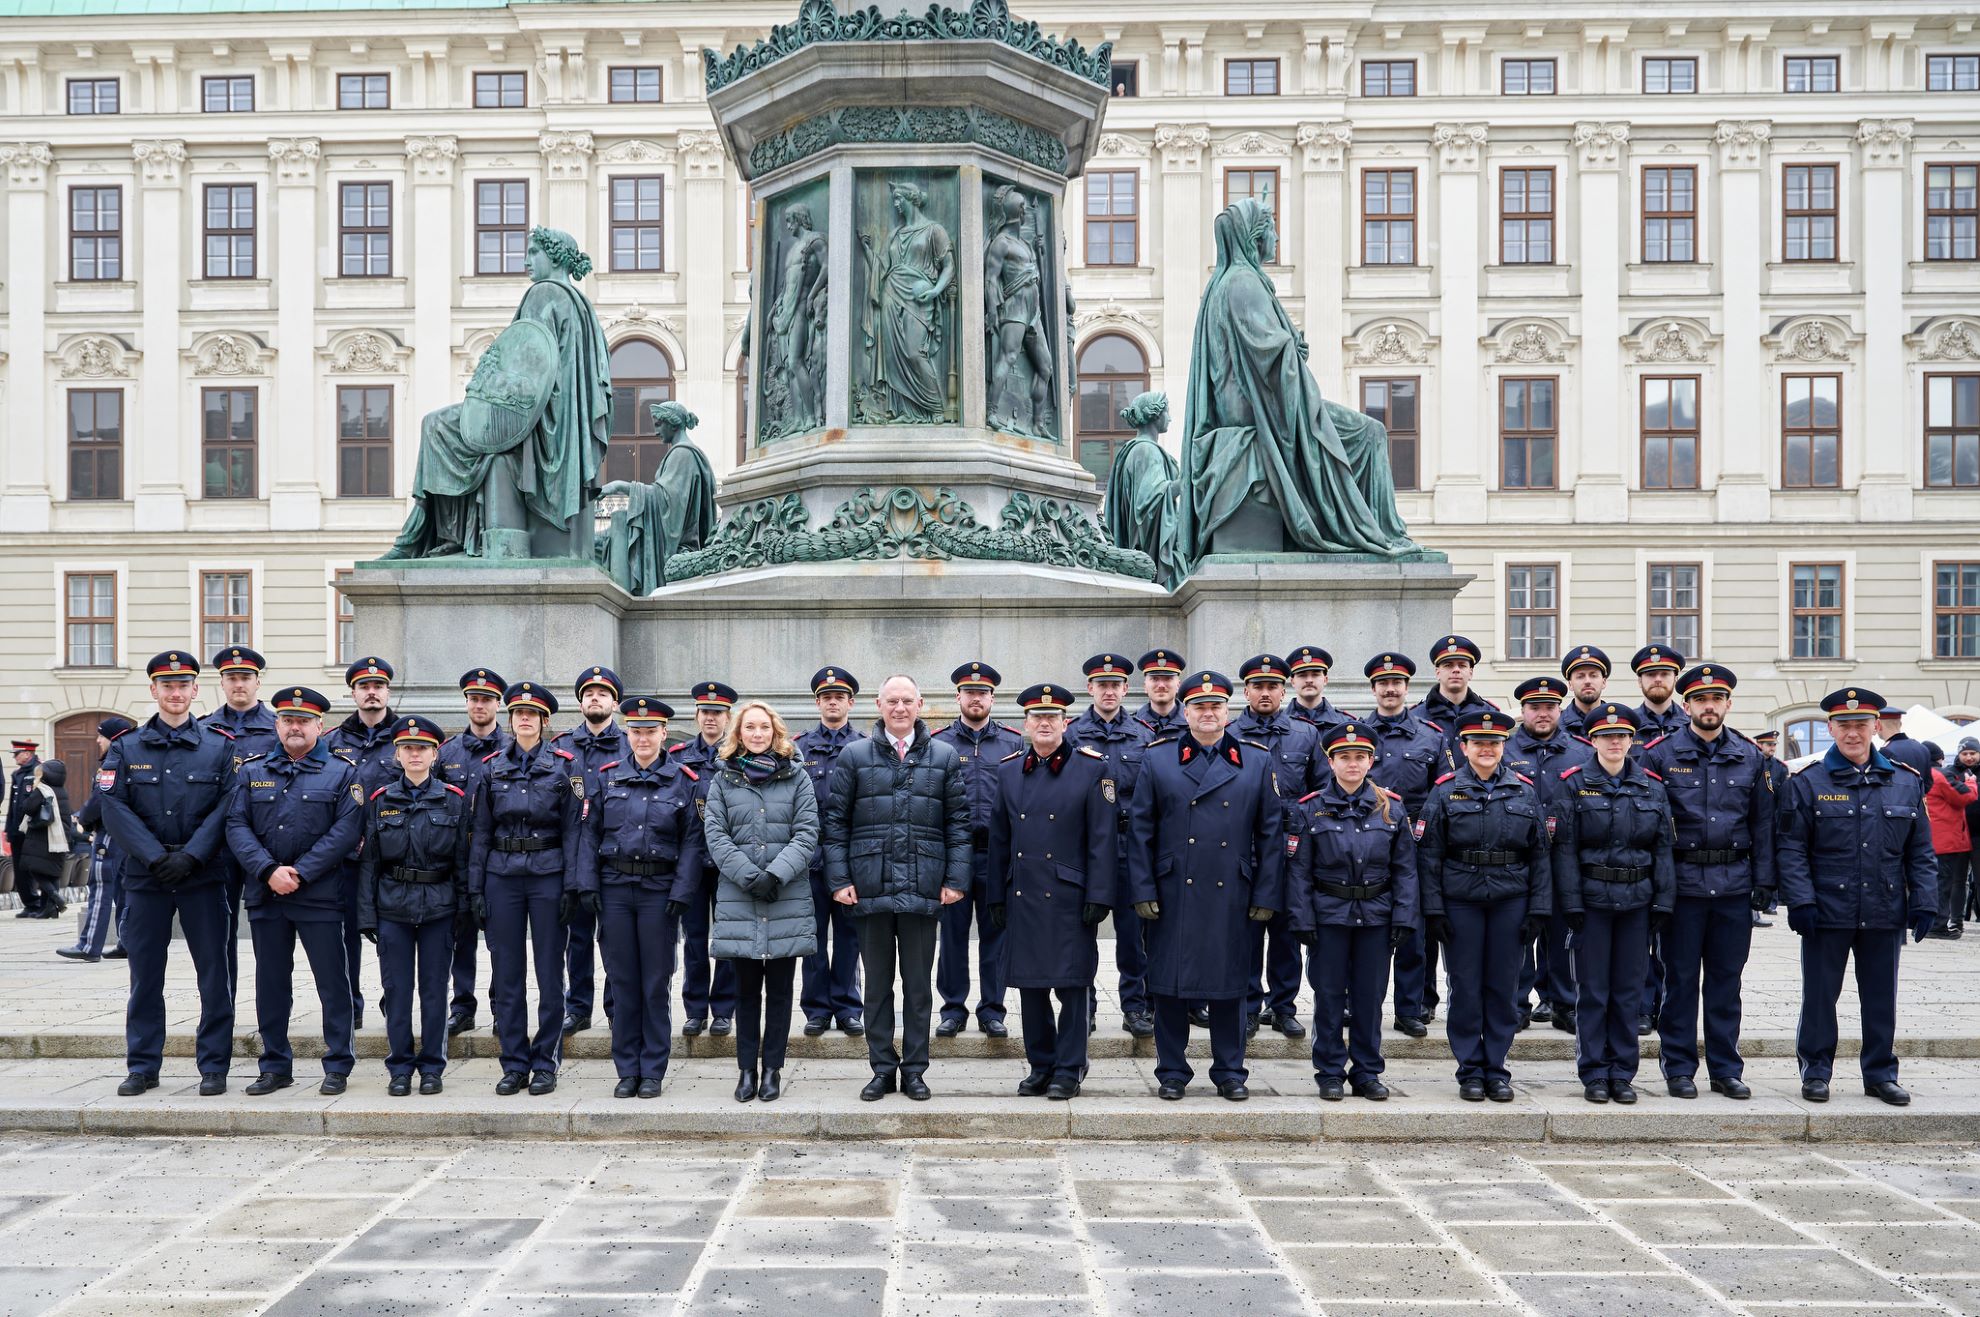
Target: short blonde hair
780 735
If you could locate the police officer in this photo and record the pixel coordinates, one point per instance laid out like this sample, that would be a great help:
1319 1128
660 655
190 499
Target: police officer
166 808
595 741
1768 741
705 990
1351 893
1612 880
1051 873
1656 668
1409 757
1161 673
1453 659
104 907
1311 666
1856 870
982 744
1487 890
294 825
1300 768
459 765
252 725
1723 803
20 796
1206 859
412 900
1901 748
1122 739
1542 751
525 870
365 738
645 832
830 988
1586 669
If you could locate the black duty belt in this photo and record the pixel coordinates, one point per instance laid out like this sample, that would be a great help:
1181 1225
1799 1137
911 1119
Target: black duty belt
1490 857
1342 891
637 868
1707 857
1609 874
422 875
515 844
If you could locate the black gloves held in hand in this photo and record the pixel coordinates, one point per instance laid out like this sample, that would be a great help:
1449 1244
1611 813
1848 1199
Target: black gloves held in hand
1260 915
567 907
1000 915
174 868
1761 898
1575 919
1659 920
1801 918
1090 914
1397 936
593 902
676 909
478 907
369 934
1440 928
1529 928
464 925
1148 909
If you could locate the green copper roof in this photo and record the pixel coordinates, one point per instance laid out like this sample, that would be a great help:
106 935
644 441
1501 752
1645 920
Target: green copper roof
87 8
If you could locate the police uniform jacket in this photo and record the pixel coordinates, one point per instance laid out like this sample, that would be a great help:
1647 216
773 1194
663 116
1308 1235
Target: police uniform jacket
412 867
370 748
1352 864
1650 725
702 759
1053 850
820 747
1484 841
1545 760
980 752
168 792
593 750
1322 717
1913 754
1172 723
897 830
253 731
1124 741
1207 840
1855 844
528 819
1437 708
1409 757
461 757
1295 747
1574 718
1612 841
1778 774
1724 805
306 812
103 850
644 829
20 795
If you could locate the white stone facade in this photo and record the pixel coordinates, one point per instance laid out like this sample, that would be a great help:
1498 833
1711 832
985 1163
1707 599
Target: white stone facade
1627 174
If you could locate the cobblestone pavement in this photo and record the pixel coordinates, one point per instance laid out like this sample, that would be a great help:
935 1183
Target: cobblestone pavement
323 1226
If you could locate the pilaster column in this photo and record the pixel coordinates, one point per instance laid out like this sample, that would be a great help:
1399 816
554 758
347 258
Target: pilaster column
299 462
1185 211
24 492
567 180
1323 247
1745 409
159 502
1600 494
435 278
1464 414
1885 145
705 193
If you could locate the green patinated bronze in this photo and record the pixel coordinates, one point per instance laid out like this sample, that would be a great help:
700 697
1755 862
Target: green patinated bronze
1142 489
795 283
905 370
674 513
1020 285
819 22
926 126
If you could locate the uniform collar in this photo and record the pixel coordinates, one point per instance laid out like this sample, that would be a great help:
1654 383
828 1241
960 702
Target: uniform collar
1189 751
991 731
1360 802
471 741
156 728
584 736
259 716
1056 761
353 724
1875 769
1276 723
279 758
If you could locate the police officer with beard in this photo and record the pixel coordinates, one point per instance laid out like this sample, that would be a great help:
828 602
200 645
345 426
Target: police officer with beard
1311 666
364 738
1409 757
1300 768
1586 670
1108 729
829 993
1161 675
459 765
1542 751
981 743
244 717
596 741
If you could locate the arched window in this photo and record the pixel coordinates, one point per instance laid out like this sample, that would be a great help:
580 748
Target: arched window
642 375
1806 736
1111 372
75 745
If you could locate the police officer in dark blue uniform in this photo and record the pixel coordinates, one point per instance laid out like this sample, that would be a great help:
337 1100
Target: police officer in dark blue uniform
166 807
1542 751
1051 878
644 831
1453 659
1661 713
459 765
1612 880
981 743
1724 806
526 869
1311 666
294 825
252 725
20 794
1586 670
364 738
1351 893
830 991
412 900
1409 757
1856 869
1768 741
1487 889
104 907
595 741
1301 767
1206 860
1107 728
705 990
1161 674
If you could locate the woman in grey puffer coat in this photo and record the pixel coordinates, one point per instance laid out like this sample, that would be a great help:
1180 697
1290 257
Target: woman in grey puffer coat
761 828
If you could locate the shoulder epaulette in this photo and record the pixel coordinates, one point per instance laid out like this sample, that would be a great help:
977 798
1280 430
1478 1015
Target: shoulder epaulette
1445 778
559 750
1435 727
1015 753
451 787
1256 745
248 759
1524 778
345 755
613 764
381 791
1659 741
1652 773
1908 768
1796 772
1570 772
1161 740
678 746
1311 794
1573 736
490 755
692 775
1085 750
216 727
1383 791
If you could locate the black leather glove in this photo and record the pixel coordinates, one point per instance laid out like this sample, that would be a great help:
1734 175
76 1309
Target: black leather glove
478 907
1148 909
1575 919
1397 936
1306 937
1529 928
1000 915
567 907
1659 920
369 934
593 902
1090 914
464 925
1260 915
1440 928
1922 926
174 868
1761 898
676 909
1801 918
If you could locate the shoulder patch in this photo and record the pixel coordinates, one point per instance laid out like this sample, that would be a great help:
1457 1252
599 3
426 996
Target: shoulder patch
1570 772
1445 778
451 787
490 755
559 750
248 759
692 775
381 791
1085 750
1015 753
613 764
1524 778
1311 794
1651 773
677 746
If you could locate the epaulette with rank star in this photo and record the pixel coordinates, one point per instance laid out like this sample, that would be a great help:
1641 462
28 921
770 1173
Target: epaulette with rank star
1908 768
1015 753
559 750
1524 778
1256 745
1651 772
1659 741
1572 736
1445 778
1089 750
1570 772
1161 740
381 791
245 760
451 787
692 775
1435 727
1311 794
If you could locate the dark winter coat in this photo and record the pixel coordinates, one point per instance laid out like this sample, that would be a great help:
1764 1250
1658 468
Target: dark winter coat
762 836
1053 851
1855 844
307 813
1352 864
1484 841
897 830
643 829
1722 801
412 867
1612 841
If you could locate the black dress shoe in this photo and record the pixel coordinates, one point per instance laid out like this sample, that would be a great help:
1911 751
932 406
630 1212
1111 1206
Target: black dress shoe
1472 1090
1371 1088
626 1087
1331 1090
401 1086
511 1083
746 1086
1414 1028
1888 1091
1681 1086
948 1027
693 1028
27 912
576 1023
916 1088
1141 1024
116 953
813 1028
1233 1091
649 1088
1815 1090
993 1025
1623 1091
1595 1092
459 1025
1251 1023
1499 1090
1199 1017
1170 1092
1564 1020
852 1027
268 1083
1034 1083
1061 1090
332 1085
1644 1026
876 1088
76 953
429 1085
1288 1024
1524 1020
722 1026
772 1086
1543 1010
1735 1089
212 1085
543 1082
135 1084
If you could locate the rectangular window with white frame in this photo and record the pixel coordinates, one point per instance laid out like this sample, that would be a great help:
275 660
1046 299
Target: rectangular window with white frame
89 619
1670 75
343 620
226 609
1815 610
1956 610
1811 431
1674 616
1533 610
1527 77
1952 431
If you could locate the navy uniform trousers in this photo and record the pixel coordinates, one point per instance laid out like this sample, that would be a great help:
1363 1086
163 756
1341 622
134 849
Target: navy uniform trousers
275 932
708 986
415 957
1549 967
1226 1040
952 951
1484 967
1825 956
1055 1042
831 979
637 936
1275 967
1706 941
1416 976
1609 952
1348 966
467 957
581 979
525 907
147 935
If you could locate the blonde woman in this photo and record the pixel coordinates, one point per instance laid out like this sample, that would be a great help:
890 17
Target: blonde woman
762 831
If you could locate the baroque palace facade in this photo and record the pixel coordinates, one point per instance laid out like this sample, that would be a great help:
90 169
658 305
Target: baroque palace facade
1675 321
